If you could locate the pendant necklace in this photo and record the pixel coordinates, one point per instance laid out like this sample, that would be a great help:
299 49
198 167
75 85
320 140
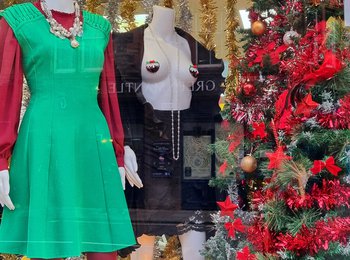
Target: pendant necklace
176 152
58 30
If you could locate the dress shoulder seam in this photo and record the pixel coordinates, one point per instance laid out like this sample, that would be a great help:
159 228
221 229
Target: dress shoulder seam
19 14
98 22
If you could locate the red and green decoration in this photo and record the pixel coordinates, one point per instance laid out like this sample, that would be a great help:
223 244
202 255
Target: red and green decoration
152 66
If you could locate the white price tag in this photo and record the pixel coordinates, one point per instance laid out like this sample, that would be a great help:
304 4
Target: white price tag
347 12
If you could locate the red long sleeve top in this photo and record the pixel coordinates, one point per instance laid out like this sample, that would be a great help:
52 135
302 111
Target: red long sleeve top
11 83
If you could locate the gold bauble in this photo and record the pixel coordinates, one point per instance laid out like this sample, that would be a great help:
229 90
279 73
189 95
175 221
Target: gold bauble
258 28
249 164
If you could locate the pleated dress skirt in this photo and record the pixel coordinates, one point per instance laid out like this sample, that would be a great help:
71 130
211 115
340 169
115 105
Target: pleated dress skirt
66 188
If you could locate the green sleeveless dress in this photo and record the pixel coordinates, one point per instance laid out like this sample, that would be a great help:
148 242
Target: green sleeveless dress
64 176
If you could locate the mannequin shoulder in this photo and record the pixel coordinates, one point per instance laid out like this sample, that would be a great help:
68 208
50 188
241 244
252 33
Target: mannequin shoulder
182 41
97 21
184 45
20 12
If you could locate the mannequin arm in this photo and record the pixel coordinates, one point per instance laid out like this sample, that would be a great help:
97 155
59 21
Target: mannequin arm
11 84
109 104
5 190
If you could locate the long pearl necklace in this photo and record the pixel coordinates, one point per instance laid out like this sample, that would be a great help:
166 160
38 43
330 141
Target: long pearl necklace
176 154
57 28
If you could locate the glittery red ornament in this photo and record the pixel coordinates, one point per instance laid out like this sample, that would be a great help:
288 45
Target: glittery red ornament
249 89
258 28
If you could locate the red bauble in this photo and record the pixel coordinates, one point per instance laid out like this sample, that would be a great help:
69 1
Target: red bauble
258 28
249 89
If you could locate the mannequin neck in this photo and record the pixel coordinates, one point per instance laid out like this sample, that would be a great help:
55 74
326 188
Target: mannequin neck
163 22
64 6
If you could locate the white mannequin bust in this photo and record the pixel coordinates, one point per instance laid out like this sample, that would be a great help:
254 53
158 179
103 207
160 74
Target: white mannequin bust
64 6
169 88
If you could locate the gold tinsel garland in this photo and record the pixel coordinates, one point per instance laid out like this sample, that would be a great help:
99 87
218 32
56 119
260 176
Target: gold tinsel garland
93 5
169 3
209 23
233 50
172 250
9 257
127 12
112 8
8 3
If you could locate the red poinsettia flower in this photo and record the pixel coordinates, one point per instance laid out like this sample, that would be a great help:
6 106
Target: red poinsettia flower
271 51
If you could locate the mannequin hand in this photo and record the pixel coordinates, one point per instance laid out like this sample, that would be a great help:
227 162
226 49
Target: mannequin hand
122 176
5 190
130 165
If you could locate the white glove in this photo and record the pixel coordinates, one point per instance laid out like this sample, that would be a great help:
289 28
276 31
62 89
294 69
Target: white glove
130 165
5 190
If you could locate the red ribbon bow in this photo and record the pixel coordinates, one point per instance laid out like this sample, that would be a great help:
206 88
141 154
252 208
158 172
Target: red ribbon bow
329 164
231 227
259 130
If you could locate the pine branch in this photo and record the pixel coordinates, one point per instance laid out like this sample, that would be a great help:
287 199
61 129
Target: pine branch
294 173
334 251
222 183
339 86
260 256
307 218
321 143
276 215
221 150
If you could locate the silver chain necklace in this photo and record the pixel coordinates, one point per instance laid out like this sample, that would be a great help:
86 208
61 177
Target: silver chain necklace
58 30
176 154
